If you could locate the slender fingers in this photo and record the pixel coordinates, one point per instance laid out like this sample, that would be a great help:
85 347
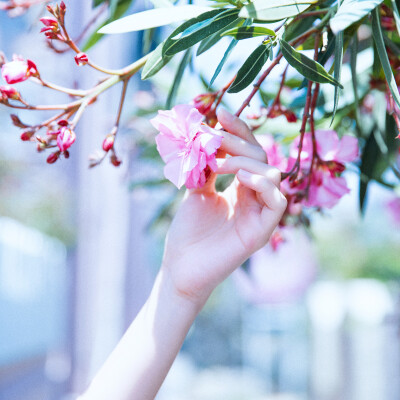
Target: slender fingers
235 125
237 146
232 165
267 190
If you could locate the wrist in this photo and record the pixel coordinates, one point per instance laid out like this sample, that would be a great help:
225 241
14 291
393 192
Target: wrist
179 289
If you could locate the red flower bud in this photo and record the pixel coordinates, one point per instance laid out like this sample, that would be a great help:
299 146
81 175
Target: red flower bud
115 160
204 102
53 157
108 142
81 59
63 7
26 135
10 92
63 122
50 22
290 116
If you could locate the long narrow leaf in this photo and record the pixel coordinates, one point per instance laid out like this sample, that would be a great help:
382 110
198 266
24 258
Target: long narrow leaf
247 32
354 80
198 29
178 78
155 62
380 46
273 10
228 51
350 12
310 69
210 41
337 71
152 18
250 69
396 15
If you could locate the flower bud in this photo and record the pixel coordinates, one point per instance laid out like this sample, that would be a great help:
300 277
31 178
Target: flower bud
17 122
63 122
10 92
115 160
108 142
65 138
40 147
49 22
63 7
18 71
26 135
53 157
204 102
81 59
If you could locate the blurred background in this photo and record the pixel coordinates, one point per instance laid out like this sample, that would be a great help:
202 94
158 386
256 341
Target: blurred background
79 249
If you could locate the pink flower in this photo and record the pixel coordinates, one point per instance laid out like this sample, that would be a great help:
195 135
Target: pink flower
274 152
186 145
18 71
65 138
325 187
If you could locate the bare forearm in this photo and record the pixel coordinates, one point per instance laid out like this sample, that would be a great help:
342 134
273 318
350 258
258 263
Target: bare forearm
139 364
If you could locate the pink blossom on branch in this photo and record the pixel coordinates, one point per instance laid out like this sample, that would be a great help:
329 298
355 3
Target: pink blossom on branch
187 146
65 138
18 70
325 187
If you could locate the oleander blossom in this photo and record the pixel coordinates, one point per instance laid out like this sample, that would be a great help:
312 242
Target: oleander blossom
326 186
186 145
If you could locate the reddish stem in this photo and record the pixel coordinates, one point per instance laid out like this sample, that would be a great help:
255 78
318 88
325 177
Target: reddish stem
258 84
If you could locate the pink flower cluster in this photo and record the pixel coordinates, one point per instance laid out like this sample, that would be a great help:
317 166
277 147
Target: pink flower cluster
319 182
187 145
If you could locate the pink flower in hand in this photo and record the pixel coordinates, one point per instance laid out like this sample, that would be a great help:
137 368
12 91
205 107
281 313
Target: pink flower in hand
65 138
186 145
18 71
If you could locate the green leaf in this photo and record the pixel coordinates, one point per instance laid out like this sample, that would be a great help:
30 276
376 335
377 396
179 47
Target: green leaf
247 32
274 10
210 41
337 71
228 51
178 78
250 69
354 81
197 29
380 46
121 9
310 69
155 62
369 160
152 18
396 15
298 27
351 11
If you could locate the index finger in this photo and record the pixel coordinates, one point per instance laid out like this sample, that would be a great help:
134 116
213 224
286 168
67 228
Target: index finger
236 126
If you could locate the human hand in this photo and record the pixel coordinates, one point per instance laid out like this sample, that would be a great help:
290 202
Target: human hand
214 233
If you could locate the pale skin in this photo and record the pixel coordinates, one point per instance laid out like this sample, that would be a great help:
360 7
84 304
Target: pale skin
211 235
